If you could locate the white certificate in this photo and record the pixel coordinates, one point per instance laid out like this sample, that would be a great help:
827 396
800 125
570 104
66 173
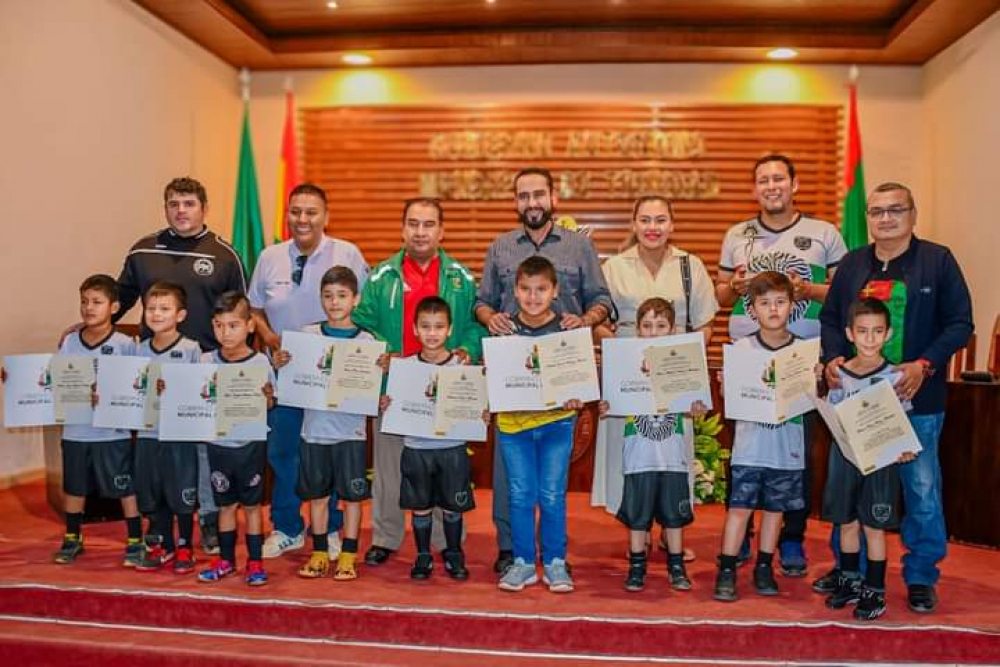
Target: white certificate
355 376
460 400
27 397
73 379
517 368
871 428
631 381
241 408
769 387
122 388
303 381
188 401
414 387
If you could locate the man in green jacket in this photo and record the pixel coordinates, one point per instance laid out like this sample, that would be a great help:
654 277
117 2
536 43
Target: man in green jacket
388 303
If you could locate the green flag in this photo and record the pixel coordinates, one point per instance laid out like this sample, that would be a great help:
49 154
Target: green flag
248 232
855 223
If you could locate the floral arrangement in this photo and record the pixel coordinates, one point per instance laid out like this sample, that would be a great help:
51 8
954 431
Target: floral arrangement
709 467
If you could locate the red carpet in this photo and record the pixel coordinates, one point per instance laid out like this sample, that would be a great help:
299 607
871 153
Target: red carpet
111 614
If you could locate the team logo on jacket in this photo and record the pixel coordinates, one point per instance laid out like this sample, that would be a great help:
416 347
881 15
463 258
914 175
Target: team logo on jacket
204 267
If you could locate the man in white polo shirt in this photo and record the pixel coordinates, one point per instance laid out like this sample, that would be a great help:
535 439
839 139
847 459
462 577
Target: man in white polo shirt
285 296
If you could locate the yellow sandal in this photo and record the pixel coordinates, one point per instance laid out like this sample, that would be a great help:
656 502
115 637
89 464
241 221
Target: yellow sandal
345 567
317 567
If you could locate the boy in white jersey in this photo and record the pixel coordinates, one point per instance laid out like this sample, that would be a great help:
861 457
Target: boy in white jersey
238 465
655 462
91 454
332 452
166 473
768 460
854 500
435 473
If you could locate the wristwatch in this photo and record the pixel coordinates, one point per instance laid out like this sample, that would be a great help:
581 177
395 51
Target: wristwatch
927 365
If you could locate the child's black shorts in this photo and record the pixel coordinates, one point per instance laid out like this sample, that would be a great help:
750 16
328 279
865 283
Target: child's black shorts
106 467
660 495
436 478
341 467
770 489
166 475
848 496
238 473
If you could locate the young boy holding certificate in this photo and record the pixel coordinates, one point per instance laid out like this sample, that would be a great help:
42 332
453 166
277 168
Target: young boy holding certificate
332 454
166 473
768 460
238 466
656 464
536 448
850 498
435 472
91 454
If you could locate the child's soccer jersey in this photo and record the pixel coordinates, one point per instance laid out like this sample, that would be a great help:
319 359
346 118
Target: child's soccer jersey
325 427
414 442
254 358
182 351
851 383
656 443
116 344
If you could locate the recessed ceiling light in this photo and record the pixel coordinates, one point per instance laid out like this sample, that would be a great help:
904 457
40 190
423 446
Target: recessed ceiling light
356 59
783 53
332 4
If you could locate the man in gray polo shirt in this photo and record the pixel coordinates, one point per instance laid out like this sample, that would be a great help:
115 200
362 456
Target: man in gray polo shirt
584 300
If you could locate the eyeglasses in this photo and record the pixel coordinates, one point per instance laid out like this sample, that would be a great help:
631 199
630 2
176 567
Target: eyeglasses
300 261
894 212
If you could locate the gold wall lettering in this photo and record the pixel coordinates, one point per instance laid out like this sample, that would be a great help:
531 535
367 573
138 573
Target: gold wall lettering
540 145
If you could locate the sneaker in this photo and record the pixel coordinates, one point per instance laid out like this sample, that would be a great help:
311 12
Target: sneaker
635 580
763 580
557 576
679 580
317 567
154 557
518 575
827 583
377 555
921 598
254 574
871 604
278 543
185 562
346 569
725 586
792 559
70 549
209 528
134 554
847 592
334 544
422 567
454 564
744 555
217 570
504 560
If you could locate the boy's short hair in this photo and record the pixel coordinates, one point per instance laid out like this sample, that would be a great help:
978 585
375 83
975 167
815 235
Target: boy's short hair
340 275
432 305
657 306
232 302
868 306
770 281
536 265
103 283
186 186
308 189
166 288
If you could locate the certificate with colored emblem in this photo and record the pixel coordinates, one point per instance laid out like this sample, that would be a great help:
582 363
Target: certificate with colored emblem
460 400
73 380
769 387
417 391
241 409
647 376
27 397
122 391
303 381
188 402
355 376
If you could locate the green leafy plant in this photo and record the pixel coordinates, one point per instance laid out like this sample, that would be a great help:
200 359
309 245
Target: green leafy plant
709 467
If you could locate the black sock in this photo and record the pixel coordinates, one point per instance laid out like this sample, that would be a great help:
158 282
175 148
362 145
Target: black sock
637 556
227 546
875 574
675 559
185 530
453 531
850 562
765 558
422 524
350 545
727 562
255 547
321 542
74 523
134 526
167 526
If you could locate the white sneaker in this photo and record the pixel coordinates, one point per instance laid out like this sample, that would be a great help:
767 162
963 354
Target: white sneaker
334 544
278 543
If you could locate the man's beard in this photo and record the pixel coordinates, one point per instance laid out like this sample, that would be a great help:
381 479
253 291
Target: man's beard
535 224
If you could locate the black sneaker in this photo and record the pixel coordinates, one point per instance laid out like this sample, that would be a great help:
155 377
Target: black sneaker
921 598
422 567
377 555
725 586
504 560
71 548
827 583
454 564
871 604
679 580
763 580
635 580
847 592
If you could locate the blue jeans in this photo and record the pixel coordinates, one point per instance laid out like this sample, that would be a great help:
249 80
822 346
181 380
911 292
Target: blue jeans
922 529
537 463
283 456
